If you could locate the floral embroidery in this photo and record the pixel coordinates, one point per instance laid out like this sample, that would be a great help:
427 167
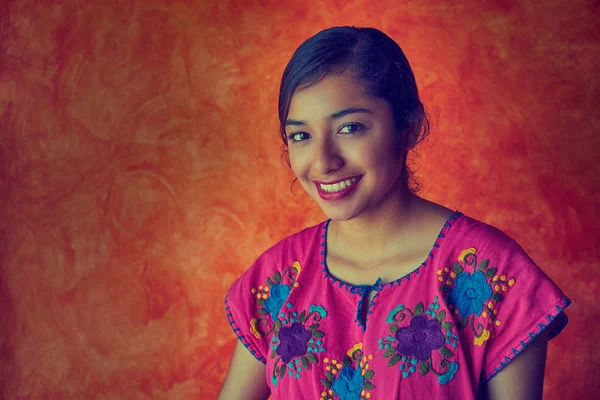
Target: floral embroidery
448 375
296 340
279 294
350 378
420 338
425 344
474 294
469 293
349 383
253 328
293 341
478 341
271 298
319 310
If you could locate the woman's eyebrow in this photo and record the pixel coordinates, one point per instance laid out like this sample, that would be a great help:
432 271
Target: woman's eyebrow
336 115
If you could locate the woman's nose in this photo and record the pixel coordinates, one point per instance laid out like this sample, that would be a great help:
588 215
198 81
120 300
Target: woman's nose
327 158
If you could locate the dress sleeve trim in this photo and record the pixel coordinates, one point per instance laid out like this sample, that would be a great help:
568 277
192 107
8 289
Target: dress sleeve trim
556 320
239 335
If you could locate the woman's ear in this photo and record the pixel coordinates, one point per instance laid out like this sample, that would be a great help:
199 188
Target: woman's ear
414 124
407 138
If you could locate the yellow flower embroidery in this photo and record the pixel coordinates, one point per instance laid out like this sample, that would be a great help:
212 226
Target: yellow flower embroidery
297 266
485 335
465 253
357 346
253 329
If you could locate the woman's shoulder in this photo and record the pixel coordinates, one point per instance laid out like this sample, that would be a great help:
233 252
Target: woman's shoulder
293 250
254 299
490 245
469 230
481 248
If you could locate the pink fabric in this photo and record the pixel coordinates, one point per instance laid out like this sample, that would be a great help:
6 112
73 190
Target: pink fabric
437 332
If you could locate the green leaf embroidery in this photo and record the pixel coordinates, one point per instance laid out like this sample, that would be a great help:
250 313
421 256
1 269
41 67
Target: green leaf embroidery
313 327
446 352
497 297
394 360
261 302
311 357
457 268
277 277
263 311
441 315
419 308
445 289
463 322
305 363
326 383
389 352
282 370
369 374
269 282
278 324
368 386
490 272
318 334
330 376
347 361
302 318
393 328
447 326
423 367
484 265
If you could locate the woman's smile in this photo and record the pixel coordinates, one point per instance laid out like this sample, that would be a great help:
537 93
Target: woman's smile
337 190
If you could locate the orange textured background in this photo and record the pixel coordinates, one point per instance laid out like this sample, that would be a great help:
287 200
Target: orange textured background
140 171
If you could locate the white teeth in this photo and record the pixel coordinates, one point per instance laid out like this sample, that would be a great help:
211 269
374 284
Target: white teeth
336 187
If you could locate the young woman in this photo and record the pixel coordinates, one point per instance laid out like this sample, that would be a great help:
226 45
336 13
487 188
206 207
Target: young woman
392 296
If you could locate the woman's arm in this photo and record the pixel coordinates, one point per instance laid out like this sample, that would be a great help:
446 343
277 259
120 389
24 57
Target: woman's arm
245 378
523 377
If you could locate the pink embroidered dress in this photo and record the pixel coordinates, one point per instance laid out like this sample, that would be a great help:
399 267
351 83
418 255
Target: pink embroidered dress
436 333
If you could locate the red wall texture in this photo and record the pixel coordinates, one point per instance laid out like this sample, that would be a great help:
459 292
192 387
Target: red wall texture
140 171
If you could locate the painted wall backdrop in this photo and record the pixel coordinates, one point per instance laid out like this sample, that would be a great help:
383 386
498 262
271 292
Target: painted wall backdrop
140 171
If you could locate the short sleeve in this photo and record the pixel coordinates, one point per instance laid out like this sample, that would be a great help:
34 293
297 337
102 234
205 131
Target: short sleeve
529 303
241 310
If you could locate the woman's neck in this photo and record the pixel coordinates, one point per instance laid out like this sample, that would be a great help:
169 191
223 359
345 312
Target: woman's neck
378 230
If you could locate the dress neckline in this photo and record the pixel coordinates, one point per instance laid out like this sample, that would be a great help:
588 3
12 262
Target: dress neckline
352 288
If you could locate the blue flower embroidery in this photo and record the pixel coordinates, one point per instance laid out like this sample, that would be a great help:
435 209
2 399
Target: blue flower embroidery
349 383
470 292
447 377
320 310
392 314
279 294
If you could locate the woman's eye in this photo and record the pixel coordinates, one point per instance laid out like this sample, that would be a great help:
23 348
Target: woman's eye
298 136
351 128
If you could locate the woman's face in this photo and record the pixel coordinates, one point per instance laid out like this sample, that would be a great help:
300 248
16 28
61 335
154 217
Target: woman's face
343 148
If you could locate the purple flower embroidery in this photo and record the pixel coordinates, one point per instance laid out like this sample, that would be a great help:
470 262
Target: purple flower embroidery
292 341
420 338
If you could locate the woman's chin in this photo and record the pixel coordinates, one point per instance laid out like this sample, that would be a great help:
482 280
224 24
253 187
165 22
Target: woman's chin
339 214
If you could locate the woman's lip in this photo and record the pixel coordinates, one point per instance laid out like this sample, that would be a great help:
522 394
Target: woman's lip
340 194
336 181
